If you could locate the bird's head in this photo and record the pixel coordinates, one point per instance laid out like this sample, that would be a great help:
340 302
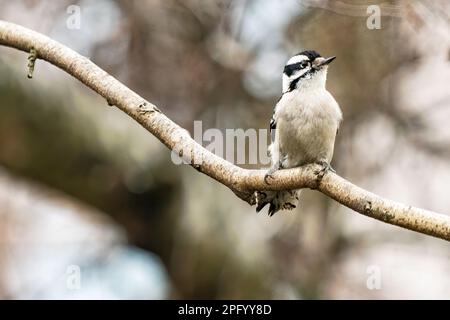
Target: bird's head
307 69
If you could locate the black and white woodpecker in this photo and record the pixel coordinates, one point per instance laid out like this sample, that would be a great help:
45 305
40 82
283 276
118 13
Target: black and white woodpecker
303 126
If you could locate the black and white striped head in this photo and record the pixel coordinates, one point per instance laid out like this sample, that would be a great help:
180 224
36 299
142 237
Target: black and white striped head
305 69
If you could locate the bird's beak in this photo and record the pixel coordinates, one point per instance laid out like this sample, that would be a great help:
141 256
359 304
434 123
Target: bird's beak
320 62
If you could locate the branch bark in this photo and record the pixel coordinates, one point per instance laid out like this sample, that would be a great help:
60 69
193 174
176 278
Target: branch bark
241 181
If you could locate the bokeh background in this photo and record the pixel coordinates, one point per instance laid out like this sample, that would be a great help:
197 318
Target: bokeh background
91 205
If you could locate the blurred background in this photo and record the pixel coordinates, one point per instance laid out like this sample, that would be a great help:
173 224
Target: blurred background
91 206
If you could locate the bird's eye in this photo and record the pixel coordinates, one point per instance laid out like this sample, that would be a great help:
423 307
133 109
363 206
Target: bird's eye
304 64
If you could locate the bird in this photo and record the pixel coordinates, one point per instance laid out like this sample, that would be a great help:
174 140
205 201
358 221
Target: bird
303 126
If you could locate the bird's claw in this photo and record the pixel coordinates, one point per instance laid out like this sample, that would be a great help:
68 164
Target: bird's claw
330 168
271 171
326 166
267 176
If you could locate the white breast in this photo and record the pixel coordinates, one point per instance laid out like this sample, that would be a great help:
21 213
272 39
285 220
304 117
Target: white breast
307 122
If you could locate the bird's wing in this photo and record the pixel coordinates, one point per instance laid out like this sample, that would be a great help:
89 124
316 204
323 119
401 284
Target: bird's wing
273 120
273 123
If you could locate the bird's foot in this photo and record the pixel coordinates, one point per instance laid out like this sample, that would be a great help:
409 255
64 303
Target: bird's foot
321 173
325 166
269 174
277 166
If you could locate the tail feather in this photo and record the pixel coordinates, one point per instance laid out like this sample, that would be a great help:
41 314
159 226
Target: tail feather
277 200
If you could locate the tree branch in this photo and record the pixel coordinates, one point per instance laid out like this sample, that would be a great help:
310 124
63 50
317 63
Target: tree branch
242 182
